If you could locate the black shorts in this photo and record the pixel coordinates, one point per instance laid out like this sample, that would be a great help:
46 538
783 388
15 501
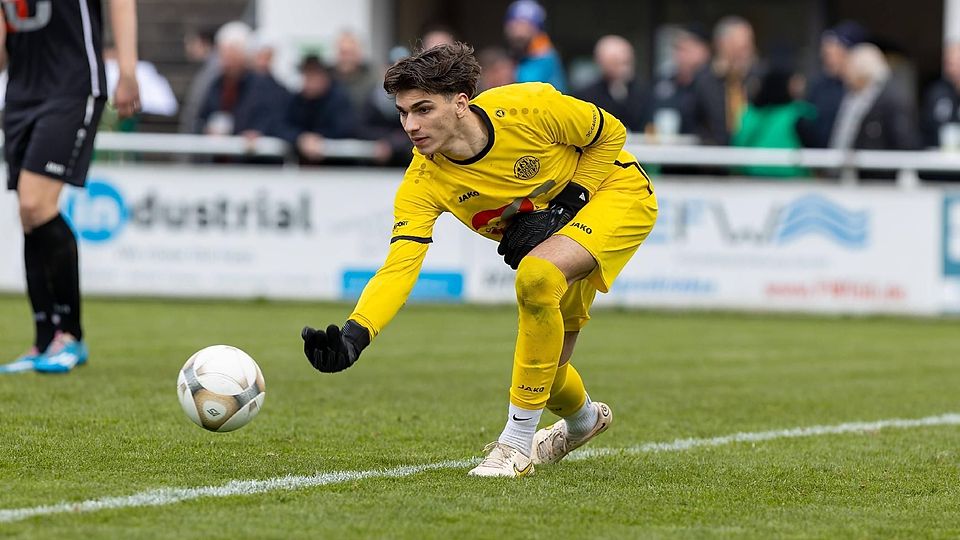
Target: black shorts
53 137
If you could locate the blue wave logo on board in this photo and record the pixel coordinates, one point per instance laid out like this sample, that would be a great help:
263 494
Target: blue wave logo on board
951 235
815 215
430 286
97 213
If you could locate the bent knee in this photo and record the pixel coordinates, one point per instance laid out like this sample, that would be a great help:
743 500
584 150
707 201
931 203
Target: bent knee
539 282
35 212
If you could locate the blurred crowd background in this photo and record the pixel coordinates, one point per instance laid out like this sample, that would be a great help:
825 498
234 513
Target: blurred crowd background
701 74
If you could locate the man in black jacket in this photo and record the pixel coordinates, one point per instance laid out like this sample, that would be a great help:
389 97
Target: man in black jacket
321 110
873 115
941 105
826 91
240 101
722 89
670 103
617 91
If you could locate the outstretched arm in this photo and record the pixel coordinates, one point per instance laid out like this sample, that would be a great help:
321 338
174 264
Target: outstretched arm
337 349
415 214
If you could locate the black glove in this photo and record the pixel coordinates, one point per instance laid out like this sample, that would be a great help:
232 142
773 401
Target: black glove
334 350
527 231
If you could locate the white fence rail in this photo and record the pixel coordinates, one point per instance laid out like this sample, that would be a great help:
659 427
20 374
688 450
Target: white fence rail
905 162
650 151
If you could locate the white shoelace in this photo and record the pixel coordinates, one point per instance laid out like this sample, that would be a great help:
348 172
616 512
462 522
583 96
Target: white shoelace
498 455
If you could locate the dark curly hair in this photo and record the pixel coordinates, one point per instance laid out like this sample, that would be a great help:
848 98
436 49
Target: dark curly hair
444 69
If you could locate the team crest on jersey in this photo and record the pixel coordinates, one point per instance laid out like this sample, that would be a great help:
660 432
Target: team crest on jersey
526 167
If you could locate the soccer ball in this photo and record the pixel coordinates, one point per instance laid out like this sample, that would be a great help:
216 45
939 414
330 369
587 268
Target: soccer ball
221 388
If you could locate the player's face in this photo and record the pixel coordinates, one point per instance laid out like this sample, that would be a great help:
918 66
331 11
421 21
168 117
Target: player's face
430 120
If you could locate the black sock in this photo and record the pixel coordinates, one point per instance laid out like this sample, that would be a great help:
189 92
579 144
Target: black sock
39 290
62 263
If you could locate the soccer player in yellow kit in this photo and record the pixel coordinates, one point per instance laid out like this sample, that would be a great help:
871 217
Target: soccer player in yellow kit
545 175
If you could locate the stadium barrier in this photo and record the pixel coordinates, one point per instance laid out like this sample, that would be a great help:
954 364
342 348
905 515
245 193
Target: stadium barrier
248 232
651 150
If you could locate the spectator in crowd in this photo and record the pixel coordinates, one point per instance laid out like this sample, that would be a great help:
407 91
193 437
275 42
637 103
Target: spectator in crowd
537 59
380 122
826 91
199 48
436 35
352 70
772 116
320 111
240 102
941 105
617 91
497 68
262 52
874 115
721 92
261 55
670 105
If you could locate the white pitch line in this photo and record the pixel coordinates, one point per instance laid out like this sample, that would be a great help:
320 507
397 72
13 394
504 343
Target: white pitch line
165 496
679 445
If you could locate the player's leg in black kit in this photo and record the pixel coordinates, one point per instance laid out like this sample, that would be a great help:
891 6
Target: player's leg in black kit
59 152
18 124
39 290
50 251
51 238
42 239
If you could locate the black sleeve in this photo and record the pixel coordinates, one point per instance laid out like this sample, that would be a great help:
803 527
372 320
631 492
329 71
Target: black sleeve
209 105
929 126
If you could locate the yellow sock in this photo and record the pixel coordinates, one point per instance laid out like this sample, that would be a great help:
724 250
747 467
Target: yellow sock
540 286
567 395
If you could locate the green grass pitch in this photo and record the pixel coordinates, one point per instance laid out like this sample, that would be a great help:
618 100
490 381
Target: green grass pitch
433 388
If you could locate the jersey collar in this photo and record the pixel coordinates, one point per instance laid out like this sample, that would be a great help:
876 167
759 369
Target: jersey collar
490 137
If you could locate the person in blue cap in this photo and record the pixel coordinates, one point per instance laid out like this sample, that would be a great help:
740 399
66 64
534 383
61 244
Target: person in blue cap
537 59
826 92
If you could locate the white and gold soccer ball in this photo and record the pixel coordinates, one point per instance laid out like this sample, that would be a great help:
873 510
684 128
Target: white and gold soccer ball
221 388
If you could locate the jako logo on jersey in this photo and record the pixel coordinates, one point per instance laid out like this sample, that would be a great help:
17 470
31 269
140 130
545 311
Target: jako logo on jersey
531 389
17 15
399 224
526 167
97 213
582 227
468 195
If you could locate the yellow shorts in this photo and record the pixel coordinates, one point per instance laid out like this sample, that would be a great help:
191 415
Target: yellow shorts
618 218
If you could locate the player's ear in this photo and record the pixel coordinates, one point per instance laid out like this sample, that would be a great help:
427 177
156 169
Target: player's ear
463 104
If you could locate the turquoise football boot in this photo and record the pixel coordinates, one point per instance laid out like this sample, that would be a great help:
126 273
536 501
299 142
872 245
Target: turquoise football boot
63 354
24 362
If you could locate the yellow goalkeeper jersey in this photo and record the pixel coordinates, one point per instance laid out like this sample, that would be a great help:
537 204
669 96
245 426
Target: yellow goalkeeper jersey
538 141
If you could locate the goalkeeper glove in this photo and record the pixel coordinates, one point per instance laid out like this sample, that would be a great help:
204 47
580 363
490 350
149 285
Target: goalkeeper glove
334 350
527 231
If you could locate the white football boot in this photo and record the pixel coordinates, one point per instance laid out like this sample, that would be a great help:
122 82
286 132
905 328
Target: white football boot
551 444
504 461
